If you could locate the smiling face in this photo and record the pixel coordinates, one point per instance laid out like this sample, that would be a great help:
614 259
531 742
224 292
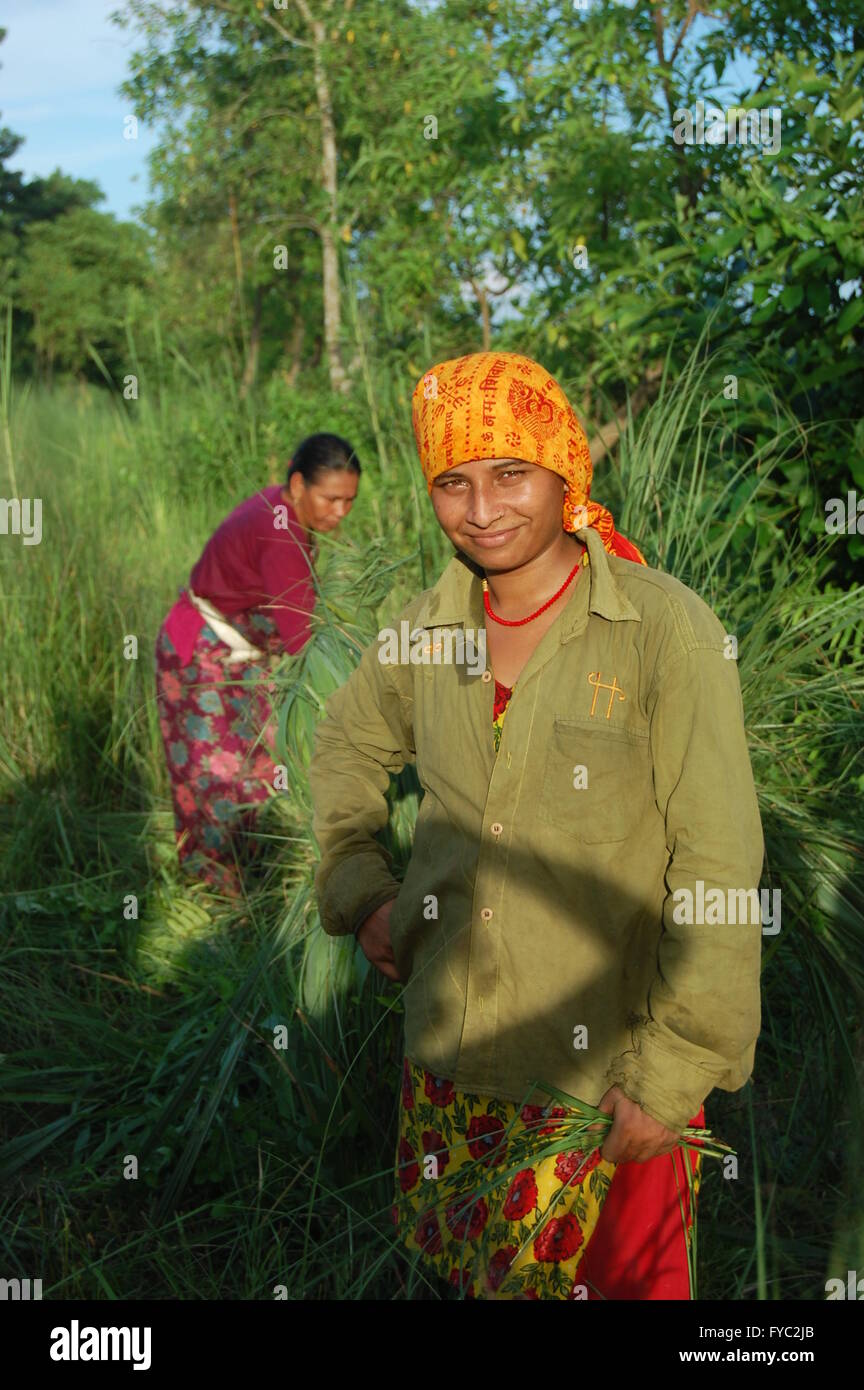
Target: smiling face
320 506
500 512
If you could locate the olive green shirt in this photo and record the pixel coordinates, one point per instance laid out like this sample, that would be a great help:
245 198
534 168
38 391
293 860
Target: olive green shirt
536 925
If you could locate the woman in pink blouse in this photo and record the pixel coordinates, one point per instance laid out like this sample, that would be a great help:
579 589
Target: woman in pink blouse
249 598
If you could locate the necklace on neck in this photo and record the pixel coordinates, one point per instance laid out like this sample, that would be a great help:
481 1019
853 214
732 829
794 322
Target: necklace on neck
520 622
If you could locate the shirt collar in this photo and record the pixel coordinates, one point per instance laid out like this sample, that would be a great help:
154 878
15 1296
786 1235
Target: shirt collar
458 595
273 497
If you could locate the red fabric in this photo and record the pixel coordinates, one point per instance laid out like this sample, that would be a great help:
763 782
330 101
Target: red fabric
183 624
249 563
220 769
502 699
638 1249
626 549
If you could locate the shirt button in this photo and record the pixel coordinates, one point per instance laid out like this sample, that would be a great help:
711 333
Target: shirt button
486 676
485 914
496 827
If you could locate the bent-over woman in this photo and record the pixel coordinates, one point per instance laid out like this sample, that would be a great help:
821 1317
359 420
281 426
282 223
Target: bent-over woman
248 601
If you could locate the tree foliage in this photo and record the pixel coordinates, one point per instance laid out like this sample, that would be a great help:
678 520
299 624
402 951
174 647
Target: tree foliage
483 173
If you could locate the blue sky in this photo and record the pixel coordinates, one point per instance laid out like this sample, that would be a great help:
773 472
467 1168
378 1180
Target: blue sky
62 62
60 66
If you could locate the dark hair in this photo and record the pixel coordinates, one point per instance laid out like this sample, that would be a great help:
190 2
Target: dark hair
322 451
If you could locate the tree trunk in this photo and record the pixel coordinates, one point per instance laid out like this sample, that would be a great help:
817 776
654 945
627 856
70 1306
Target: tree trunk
250 369
483 301
238 265
293 344
339 380
607 437
688 186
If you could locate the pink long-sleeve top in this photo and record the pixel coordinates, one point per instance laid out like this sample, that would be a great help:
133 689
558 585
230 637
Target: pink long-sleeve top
256 559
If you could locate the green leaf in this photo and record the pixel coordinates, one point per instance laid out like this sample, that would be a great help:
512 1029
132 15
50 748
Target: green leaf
518 242
792 296
818 296
851 314
726 242
850 109
765 313
764 236
807 258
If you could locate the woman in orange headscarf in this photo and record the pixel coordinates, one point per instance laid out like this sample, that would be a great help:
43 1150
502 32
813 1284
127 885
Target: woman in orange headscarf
532 917
507 405
518 414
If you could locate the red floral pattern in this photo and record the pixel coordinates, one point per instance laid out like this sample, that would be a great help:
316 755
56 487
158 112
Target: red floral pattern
568 1164
522 1196
428 1234
467 1216
433 1143
409 1168
559 1240
502 699
474 1218
499 1265
461 1279
484 1135
211 717
556 1113
438 1090
531 1114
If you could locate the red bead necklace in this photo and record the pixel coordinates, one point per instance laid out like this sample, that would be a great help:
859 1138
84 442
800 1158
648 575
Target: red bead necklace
519 622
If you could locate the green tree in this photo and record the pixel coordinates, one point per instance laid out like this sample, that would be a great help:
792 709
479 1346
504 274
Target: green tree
328 129
637 240
76 280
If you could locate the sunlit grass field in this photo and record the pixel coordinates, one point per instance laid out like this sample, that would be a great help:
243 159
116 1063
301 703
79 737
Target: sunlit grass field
156 1144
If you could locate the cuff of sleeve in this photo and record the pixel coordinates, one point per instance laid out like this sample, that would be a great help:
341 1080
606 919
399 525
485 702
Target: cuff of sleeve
665 1085
355 888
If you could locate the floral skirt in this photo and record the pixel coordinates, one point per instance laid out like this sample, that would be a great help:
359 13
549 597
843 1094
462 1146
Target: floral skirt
617 1231
219 761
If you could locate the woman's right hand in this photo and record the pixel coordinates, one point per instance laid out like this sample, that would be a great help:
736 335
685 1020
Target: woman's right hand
374 939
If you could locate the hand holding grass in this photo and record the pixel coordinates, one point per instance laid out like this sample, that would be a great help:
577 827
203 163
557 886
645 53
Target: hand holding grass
634 1136
577 1119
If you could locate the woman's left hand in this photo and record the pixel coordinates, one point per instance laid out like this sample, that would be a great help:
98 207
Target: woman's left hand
634 1136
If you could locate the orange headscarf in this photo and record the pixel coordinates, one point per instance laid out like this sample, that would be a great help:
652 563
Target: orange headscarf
491 405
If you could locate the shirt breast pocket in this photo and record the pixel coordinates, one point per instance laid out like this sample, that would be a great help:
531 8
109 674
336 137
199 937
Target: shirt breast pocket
597 783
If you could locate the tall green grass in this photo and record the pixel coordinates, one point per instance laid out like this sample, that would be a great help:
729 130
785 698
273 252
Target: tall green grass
154 1036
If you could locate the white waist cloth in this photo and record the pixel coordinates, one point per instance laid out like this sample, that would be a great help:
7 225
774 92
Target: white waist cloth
241 650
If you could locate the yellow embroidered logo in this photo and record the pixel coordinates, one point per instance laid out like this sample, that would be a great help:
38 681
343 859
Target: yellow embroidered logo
614 689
